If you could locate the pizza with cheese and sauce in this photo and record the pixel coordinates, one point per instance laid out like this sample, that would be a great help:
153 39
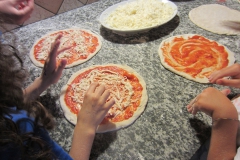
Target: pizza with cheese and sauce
125 85
194 56
84 45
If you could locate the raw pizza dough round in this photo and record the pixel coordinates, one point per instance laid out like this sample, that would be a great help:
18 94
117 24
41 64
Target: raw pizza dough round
110 80
194 57
216 18
85 44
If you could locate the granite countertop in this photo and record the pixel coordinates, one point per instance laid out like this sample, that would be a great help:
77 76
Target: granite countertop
163 131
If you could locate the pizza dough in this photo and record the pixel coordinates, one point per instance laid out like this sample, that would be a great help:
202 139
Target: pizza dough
84 45
194 57
126 86
216 18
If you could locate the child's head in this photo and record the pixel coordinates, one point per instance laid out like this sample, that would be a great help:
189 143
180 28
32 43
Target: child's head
12 77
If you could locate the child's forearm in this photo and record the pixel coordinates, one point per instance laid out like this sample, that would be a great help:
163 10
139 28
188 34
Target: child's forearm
35 89
82 142
224 133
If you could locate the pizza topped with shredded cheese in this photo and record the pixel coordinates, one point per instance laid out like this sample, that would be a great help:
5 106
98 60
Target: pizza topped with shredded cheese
84 45
126 87
194 57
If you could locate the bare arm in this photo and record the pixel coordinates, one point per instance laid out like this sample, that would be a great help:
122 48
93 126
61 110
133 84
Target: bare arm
93 111
82 142
224 131
223 140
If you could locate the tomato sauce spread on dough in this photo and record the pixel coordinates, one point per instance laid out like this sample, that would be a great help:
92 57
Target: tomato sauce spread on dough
124 87
82 44
196 55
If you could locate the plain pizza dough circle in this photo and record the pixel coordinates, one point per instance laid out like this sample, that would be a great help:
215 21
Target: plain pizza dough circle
231 58
71 117
38 64
216 18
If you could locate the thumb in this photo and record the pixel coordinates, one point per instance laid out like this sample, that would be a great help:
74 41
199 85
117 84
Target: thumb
62 65
226 91
59 69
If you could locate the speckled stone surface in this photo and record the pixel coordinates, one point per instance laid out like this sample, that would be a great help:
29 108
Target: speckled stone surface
163 131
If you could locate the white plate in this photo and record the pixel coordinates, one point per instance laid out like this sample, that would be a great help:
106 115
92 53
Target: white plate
109 10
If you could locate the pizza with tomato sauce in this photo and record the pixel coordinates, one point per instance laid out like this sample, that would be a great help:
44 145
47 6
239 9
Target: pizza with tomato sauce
125 85
194 56
84 45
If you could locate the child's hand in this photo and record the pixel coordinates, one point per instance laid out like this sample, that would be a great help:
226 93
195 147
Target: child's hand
95 106
232 71
50 74
209 101
51 71
16 11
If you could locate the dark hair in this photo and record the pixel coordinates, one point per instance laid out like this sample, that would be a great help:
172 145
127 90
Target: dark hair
12 77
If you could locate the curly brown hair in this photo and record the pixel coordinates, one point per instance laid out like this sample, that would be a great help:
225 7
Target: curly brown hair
12 77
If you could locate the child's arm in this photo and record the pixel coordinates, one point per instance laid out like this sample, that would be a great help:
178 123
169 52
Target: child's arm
224 116
93 111
51 73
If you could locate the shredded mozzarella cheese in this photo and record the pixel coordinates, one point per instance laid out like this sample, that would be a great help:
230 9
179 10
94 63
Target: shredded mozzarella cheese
70 38
119 87
140 14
